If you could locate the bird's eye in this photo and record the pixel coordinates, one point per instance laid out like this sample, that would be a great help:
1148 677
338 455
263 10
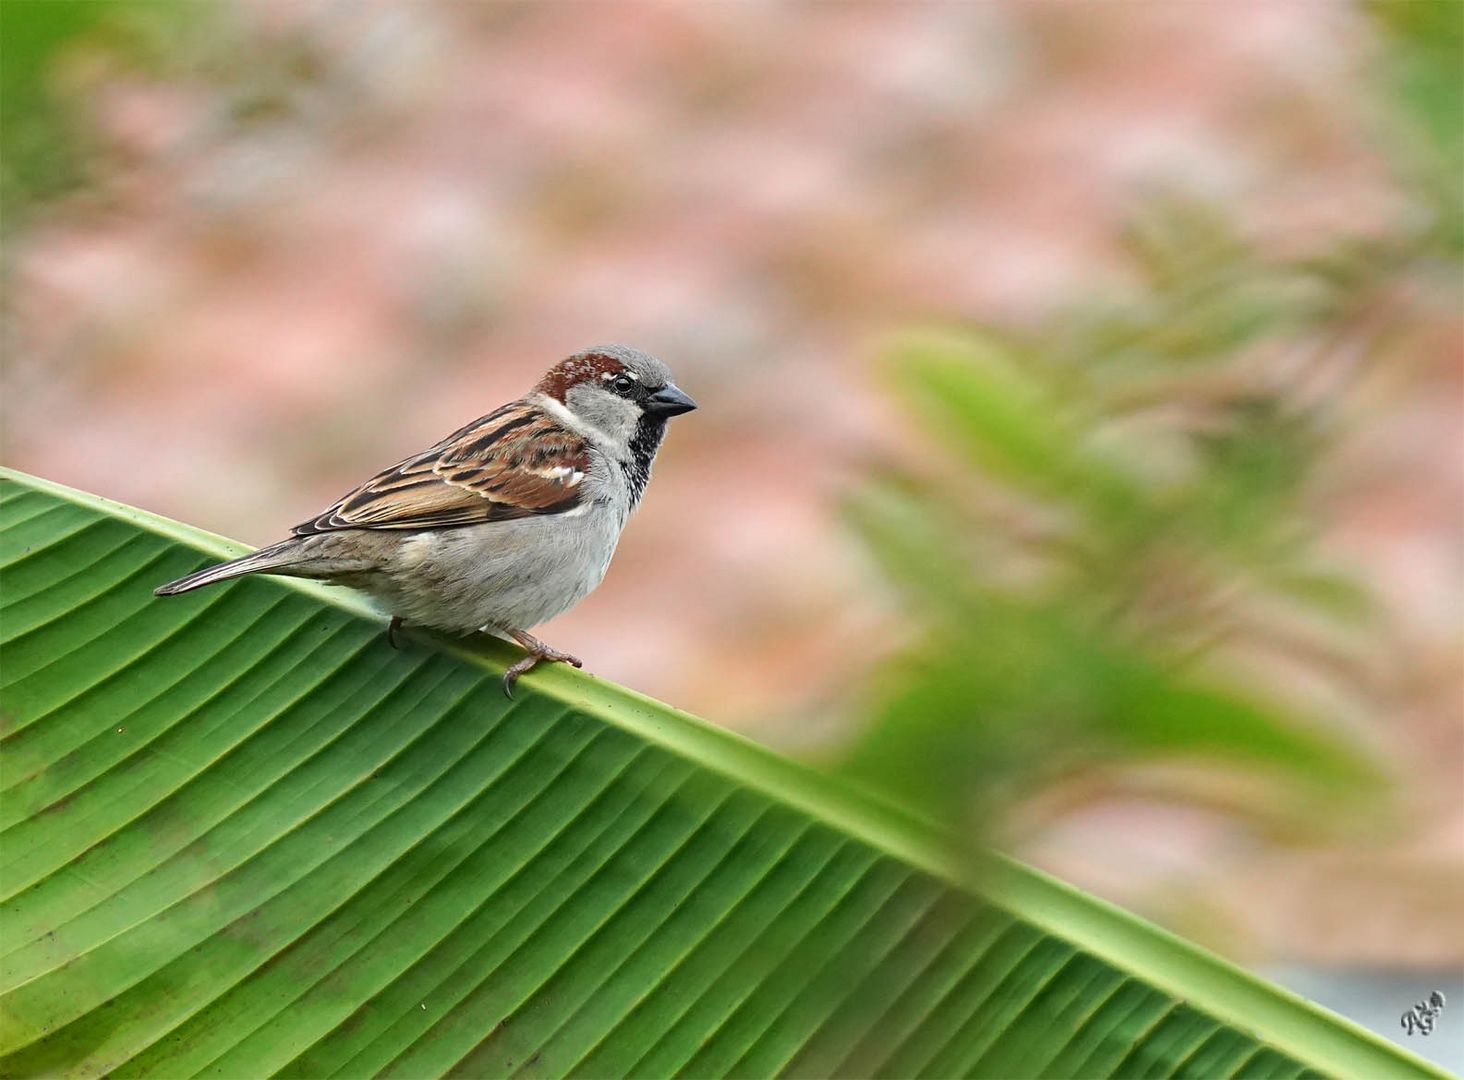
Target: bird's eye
622 385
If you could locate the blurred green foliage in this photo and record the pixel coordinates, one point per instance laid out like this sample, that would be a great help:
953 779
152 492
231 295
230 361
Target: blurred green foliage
1115 520
53 51
40 133
1112 521
1070 593
1422 69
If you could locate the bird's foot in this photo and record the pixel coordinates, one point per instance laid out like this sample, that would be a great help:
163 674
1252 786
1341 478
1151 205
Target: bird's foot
537 651
391 631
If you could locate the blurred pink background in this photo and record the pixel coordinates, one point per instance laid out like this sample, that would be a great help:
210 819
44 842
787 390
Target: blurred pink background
341 230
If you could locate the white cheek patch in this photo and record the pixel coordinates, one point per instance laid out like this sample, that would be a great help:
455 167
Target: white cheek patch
568 419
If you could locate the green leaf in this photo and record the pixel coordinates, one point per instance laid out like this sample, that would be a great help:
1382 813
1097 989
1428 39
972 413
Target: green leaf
38 156
242 836
991 406
47 142
1422 65
988 406
1005 696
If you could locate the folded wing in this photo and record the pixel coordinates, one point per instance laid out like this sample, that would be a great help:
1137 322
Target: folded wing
513 463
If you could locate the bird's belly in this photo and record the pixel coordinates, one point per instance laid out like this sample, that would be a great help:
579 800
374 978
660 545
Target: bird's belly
500 576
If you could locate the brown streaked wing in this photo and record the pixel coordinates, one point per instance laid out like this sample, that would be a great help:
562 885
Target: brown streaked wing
513 463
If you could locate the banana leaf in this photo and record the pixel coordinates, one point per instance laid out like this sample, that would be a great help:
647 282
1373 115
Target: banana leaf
242 836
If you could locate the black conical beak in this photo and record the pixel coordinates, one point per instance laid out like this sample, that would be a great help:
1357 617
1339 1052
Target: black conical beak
670 400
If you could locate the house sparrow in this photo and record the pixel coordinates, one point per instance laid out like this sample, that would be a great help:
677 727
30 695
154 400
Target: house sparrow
505 523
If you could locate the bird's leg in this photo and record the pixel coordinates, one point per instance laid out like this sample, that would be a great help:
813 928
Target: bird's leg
537 651
391 631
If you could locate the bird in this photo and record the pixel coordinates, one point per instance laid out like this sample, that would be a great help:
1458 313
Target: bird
505 523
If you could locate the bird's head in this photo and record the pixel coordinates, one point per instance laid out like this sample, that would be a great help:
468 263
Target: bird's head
617 392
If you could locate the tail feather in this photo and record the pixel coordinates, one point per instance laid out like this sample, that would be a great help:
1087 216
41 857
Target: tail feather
272 559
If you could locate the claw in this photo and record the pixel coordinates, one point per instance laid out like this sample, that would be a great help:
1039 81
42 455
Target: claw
537 651
391 631
511 677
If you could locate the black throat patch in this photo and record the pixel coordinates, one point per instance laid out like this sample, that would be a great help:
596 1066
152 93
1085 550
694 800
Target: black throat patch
643 446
